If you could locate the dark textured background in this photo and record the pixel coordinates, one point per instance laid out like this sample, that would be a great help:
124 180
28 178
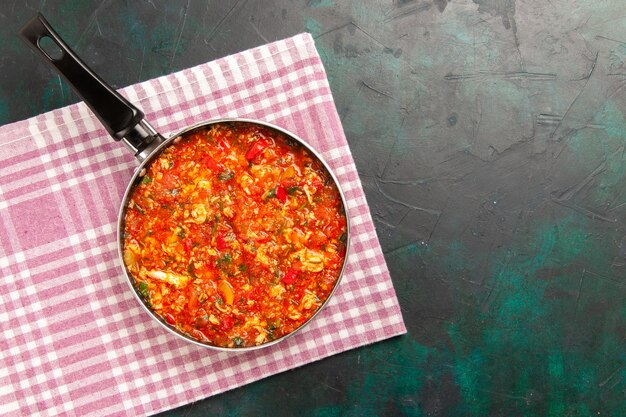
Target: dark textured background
490 137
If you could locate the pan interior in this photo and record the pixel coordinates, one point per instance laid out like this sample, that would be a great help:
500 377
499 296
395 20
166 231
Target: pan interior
246 273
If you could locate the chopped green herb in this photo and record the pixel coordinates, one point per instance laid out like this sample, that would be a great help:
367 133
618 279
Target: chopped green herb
270 334
181 234
243 267
144 291
271 194
219 300
191 270
225 175
224 261
214 227
238 341
293 190
343 238
146 180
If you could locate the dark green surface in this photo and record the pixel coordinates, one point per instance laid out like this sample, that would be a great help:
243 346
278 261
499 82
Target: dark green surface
490 137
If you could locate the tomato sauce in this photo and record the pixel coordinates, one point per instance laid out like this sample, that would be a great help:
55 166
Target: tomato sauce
235 235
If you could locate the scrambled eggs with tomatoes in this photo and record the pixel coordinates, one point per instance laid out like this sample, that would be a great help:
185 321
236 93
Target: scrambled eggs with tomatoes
235 235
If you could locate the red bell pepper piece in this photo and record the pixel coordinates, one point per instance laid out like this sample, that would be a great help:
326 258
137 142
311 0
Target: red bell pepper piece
170 319
227 323
256 148
188 246
263 239
221 241
223 144
290 277
192 295
210 162
281 194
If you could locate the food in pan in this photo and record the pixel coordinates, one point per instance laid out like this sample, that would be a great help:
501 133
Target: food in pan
235 235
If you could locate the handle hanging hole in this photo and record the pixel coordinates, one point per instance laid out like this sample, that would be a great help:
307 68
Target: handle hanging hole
50 48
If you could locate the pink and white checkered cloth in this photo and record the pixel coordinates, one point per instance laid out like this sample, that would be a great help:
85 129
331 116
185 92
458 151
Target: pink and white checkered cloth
74 339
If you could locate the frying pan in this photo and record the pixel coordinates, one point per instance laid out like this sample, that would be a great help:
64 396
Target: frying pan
126 123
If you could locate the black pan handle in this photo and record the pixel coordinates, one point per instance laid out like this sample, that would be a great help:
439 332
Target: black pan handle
120 118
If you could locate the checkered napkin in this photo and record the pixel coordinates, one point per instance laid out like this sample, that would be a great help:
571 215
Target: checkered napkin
74 341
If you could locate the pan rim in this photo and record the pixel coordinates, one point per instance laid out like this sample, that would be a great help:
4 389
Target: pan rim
133 182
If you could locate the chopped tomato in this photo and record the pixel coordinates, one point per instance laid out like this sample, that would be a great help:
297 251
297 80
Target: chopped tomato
227 323
210 163
224 144
281 194
192 296
188 246
290 277
221 241
263 239
170 319
199 335
256 149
